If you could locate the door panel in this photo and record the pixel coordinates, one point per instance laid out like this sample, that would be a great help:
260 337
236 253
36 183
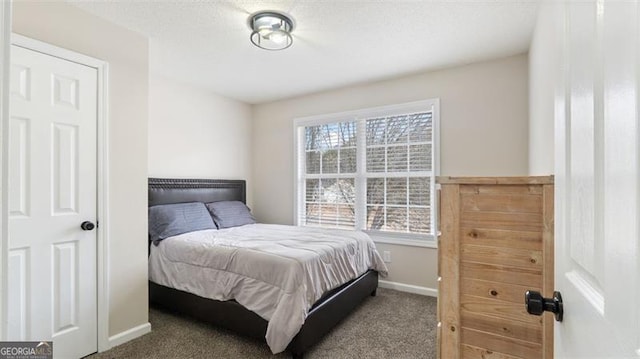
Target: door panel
19 163
584 268
598 179
64 151
582 186
52 190
18 298
621 51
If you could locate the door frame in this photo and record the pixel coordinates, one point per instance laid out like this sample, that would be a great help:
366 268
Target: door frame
102 167
5 60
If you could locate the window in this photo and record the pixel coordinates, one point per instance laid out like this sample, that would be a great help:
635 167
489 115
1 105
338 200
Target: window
372 170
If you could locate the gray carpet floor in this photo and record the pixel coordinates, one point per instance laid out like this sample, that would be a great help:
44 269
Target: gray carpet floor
391 325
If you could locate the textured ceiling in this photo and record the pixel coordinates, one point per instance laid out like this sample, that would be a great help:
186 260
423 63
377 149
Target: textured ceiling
336 43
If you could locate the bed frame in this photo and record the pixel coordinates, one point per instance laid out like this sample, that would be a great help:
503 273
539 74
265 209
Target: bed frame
334 305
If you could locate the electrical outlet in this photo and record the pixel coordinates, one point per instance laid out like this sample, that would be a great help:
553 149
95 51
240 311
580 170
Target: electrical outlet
386 256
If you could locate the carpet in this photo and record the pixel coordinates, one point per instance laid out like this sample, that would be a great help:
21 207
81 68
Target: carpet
390 325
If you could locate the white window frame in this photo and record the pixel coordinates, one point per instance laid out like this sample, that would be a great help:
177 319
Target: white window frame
409 239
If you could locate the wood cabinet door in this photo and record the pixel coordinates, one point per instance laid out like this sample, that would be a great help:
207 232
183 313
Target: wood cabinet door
496 243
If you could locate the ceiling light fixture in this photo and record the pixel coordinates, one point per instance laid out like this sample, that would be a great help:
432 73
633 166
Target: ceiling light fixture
271 30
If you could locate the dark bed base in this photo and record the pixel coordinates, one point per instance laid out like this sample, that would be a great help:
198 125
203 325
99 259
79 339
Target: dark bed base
324 315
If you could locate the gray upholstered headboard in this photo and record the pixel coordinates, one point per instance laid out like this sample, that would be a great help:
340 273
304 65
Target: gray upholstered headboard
178 190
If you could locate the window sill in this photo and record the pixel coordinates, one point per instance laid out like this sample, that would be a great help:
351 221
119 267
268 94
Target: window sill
389 239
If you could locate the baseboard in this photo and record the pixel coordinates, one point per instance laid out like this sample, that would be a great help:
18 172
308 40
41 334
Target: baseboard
129 334
408 288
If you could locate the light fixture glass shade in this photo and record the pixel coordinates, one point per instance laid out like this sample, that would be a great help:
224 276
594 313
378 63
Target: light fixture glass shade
271 30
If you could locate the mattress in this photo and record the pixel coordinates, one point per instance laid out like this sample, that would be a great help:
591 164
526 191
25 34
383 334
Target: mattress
276 271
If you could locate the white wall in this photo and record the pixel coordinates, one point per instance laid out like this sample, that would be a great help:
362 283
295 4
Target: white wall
126 52
543 56
195 133
484 132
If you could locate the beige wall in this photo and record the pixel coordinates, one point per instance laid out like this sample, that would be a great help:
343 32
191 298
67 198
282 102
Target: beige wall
484 132
543 56
194 133
126 52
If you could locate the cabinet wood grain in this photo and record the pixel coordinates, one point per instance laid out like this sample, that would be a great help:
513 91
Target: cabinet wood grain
496 242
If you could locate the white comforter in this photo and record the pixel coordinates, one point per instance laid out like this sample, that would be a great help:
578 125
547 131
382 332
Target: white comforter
274 270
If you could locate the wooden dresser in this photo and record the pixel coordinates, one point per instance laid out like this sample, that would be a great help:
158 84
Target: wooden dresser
496 243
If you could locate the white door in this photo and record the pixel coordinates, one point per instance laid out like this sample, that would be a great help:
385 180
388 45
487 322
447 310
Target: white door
52 190
598 180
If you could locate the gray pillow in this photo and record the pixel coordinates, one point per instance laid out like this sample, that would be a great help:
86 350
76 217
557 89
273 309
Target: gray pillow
230 214
168 220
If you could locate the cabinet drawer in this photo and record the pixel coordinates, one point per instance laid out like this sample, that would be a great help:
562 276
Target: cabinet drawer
514 203
505 256
527 222
496 273
501 238
512 293
501 344
515 329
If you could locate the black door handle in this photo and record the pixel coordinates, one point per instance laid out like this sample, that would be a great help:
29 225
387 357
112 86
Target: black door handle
87 226
536 304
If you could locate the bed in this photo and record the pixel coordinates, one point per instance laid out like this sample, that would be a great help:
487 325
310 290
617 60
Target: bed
332 306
